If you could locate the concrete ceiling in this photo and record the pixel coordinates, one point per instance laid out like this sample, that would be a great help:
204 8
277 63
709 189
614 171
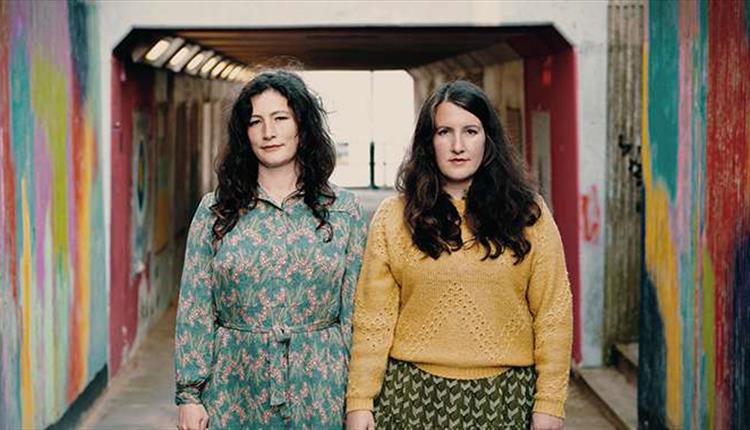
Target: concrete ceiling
360 48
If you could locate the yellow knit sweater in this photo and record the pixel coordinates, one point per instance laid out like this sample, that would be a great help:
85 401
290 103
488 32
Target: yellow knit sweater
459 317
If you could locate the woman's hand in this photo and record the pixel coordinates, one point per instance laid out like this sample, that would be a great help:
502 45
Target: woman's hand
360 420
192 417
541 421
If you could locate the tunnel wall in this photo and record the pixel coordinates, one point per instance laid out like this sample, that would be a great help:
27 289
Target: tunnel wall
166 133
695 325
53 290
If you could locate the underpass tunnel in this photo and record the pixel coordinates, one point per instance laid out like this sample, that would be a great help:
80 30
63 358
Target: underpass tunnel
169 119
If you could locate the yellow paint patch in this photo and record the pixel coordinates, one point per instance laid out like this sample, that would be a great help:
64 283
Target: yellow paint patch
661 263
50 101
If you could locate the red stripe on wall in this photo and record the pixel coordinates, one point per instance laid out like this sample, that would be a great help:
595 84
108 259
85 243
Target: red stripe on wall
550 85
132 89
76 372
119 227
7 171
726 174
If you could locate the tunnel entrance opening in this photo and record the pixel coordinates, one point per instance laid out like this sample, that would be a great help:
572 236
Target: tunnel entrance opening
167 127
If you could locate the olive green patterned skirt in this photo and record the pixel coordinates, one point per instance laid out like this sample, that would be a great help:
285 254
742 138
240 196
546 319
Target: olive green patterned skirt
414 399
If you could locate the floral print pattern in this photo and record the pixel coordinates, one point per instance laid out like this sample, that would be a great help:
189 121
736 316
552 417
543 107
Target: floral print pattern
263 328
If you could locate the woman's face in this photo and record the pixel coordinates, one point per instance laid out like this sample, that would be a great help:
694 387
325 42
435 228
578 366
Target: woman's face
272 130
459 146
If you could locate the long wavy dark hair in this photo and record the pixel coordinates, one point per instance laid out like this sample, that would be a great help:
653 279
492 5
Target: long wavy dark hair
501 199
237 168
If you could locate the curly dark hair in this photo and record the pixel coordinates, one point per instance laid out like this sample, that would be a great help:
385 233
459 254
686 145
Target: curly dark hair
237 168
500 202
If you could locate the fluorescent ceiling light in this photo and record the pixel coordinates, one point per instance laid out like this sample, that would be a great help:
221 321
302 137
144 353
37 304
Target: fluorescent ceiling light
194 64
227 71
232 76
219 67
183 55
157 50
180 56
209 65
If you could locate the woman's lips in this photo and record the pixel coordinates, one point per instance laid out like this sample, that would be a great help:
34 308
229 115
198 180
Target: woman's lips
271 147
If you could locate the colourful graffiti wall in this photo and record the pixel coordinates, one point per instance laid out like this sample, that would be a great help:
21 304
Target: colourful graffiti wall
53 295
695 327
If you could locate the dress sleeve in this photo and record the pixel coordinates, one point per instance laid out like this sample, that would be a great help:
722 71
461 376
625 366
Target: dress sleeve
550 303
354 249
195 323
375 313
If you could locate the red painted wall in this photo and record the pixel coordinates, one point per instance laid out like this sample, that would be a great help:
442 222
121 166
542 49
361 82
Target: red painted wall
727 214
132 88
551 86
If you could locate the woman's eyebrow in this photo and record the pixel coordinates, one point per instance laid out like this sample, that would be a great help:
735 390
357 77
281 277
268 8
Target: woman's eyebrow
276 112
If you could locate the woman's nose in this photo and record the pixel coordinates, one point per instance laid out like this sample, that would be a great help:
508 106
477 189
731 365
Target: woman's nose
269 131
457 145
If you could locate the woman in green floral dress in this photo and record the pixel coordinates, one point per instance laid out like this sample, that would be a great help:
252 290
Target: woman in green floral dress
264 317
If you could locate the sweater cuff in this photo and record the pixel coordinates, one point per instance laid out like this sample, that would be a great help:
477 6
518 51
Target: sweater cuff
358 404
550 407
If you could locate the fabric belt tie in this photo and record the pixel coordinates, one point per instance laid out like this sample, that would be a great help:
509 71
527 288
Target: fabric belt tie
278 349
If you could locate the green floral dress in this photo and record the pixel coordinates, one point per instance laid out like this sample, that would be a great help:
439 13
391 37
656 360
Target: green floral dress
264 321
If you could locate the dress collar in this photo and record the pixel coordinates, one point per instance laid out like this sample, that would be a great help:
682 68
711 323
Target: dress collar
266 197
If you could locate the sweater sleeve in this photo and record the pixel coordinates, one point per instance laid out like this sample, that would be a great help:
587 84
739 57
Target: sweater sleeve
551 307
375 313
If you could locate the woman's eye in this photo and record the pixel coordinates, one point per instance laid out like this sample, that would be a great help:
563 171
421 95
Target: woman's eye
254 123
442 132
472 131
281 118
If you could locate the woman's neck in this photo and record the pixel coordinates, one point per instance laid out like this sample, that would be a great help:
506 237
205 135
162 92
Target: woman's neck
278 182
457 191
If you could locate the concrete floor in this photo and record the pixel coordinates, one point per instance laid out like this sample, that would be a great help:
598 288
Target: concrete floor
141 396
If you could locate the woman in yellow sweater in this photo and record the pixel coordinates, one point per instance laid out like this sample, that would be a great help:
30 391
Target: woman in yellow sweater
462 315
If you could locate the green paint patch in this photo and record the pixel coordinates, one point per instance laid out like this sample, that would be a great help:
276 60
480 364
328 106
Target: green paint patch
663 91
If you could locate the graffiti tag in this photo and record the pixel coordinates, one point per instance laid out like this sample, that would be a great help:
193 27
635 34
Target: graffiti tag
591 215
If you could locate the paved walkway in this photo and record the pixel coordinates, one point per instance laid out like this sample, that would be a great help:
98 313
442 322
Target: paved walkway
141 395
